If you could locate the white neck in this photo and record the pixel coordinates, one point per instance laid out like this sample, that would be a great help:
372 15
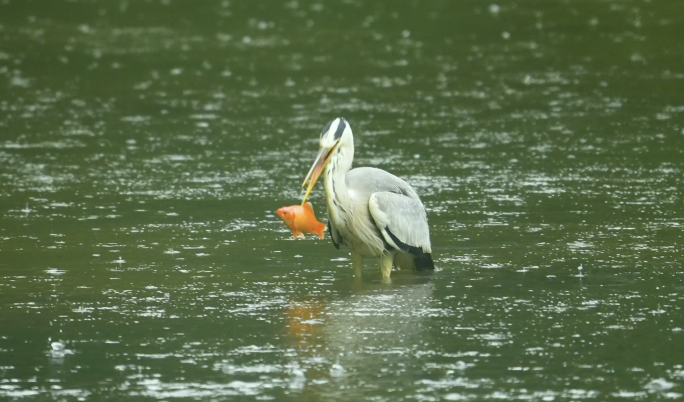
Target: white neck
337 194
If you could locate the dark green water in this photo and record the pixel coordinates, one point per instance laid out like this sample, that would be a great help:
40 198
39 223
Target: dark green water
145 145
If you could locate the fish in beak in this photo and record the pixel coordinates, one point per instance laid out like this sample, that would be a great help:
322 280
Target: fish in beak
301 218
319 164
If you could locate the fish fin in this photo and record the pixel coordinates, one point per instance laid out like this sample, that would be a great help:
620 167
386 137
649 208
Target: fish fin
301 234
294 234
321 228
309 207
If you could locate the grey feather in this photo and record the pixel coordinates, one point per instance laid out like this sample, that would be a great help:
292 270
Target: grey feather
404 218
369 180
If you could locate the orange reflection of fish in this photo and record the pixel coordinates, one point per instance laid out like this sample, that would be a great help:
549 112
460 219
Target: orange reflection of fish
301 218
304 320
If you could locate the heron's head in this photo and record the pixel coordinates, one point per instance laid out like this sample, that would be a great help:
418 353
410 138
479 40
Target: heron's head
335 134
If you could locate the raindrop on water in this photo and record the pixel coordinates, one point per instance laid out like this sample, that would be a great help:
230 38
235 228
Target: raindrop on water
337 370
298 379
659 385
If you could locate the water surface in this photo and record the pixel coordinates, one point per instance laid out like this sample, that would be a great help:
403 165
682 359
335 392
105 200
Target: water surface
144 147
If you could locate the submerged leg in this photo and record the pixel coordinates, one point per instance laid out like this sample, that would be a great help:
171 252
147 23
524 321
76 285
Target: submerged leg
357 264
404 261
386 264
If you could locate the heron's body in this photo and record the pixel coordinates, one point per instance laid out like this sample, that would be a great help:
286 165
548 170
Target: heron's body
371 211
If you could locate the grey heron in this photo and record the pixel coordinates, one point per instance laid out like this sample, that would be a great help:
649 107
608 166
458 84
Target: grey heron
371 211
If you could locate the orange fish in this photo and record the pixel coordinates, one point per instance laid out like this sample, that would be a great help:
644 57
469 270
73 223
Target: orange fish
301 218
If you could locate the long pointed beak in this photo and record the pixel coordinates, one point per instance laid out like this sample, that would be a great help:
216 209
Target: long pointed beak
316 169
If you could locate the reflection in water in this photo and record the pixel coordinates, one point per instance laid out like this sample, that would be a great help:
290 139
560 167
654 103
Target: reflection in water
376 317
304 320
375 328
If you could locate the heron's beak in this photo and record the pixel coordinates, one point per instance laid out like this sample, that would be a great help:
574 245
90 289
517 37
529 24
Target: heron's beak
319 164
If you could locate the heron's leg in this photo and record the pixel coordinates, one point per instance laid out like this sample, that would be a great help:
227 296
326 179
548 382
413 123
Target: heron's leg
357 264
404 261
386 260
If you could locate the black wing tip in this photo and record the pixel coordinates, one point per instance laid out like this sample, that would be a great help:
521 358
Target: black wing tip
422 260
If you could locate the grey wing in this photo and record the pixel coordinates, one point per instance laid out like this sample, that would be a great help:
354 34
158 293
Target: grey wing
367 180
402 221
